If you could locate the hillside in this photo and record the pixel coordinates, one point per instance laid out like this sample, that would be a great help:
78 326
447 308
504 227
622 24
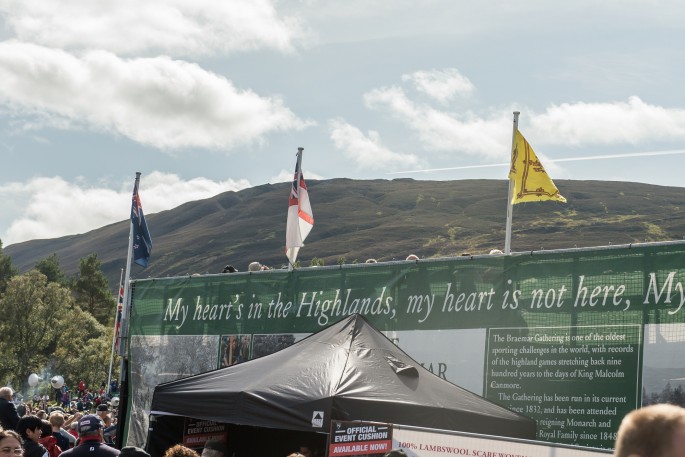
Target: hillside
383 219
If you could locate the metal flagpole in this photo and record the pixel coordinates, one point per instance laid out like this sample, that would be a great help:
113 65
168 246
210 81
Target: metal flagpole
123 332
299 176
123 337
298 168
114 335
510 196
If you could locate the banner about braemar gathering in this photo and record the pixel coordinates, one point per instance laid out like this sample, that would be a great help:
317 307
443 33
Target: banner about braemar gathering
573 339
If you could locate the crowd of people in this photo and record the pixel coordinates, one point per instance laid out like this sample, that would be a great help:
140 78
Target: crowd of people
256 266
50 428
651 431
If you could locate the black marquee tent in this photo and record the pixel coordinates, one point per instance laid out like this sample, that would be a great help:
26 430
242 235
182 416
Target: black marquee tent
348 371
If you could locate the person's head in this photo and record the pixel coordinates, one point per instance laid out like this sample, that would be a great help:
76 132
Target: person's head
215 448
45 428
133 451
412 257
179 450
308 450
102 410
254 266
56 419
10 444
89 426
30 428
652 431
7 393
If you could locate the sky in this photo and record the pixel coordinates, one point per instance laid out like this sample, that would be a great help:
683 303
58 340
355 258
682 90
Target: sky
206 96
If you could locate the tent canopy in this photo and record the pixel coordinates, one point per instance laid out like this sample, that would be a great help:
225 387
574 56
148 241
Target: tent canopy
348 371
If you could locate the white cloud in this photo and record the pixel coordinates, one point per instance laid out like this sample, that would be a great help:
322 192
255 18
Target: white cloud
366 150
569 124
442 85
630 122
161 191
54 207
442 131
159 102
174 27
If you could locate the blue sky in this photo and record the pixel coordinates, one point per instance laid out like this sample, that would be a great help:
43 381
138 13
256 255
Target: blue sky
204 97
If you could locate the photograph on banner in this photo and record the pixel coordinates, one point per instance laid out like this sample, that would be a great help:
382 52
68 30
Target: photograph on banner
234 349
663 372
454 355
265 344
359 438
159 359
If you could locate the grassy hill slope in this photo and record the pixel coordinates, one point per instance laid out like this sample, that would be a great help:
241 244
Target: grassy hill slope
383 219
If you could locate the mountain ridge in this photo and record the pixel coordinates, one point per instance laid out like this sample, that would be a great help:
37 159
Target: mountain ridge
381 219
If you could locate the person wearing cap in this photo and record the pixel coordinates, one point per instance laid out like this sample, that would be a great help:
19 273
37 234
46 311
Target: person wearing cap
102 410
90 440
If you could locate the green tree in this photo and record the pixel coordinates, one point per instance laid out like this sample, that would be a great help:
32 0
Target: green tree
316 262
92 290
678 397
83 350
49 266
6 269
32 308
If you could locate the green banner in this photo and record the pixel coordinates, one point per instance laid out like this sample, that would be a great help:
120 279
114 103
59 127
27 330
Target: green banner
574 339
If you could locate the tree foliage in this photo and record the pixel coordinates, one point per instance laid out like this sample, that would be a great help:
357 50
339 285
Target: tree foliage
50 267
667 395
46 331
84 349
92 290
6 269
32 307
316 262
